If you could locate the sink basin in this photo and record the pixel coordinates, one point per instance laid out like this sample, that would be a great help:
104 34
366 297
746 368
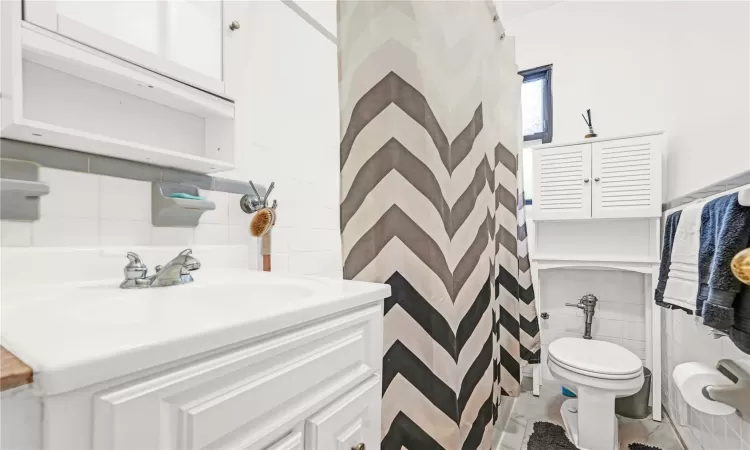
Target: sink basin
72 334
213 290
258 292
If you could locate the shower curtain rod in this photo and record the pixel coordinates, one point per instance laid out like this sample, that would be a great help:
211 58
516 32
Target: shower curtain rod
499 27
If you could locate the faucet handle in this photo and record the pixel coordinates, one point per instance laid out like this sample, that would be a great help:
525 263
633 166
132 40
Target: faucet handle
134 258
135 267
575 305
185 252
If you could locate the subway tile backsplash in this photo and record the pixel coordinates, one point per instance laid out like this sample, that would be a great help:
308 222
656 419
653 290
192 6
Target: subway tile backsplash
96 201
619 317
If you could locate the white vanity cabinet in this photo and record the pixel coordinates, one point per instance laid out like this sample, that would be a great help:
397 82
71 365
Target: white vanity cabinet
314 387
237 359
599 178
177 38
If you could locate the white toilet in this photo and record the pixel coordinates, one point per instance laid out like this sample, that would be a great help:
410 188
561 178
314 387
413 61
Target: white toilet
598 372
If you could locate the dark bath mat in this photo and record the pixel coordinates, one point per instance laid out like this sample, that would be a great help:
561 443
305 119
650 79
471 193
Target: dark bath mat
548 436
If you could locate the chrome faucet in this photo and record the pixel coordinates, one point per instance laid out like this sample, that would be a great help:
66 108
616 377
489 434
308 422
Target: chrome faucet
177 271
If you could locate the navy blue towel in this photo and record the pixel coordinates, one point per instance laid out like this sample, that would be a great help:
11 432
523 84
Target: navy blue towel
670 228
725 230
740 332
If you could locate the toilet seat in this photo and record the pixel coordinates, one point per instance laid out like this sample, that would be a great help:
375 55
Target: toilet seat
598 359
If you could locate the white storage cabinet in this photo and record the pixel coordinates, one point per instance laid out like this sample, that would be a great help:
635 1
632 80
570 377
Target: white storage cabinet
601 179
312 386
178 38
137 80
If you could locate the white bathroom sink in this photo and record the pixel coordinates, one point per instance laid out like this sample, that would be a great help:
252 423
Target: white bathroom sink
77 334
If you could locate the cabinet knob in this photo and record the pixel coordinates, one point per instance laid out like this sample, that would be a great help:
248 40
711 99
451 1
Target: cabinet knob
597 179
359 446
586 180
234 25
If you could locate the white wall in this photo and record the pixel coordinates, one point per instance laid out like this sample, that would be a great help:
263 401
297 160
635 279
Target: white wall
681 67
678 66
288 129
285 85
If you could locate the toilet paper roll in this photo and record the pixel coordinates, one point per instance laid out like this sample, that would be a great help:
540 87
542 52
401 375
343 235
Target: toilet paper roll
691 377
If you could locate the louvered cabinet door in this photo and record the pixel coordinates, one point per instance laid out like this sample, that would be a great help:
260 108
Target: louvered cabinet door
562 182
627 177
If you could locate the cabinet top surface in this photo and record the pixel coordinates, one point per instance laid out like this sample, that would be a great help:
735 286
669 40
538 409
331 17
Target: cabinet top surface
80 334
596 139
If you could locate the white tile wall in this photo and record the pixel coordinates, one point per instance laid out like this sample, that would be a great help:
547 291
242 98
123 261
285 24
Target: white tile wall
15 234
290 135
684 339
86 210
619 317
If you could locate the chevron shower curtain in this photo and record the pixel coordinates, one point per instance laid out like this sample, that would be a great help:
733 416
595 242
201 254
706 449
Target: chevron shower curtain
430 111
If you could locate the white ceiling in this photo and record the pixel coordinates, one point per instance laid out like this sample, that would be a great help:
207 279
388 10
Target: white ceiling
514 9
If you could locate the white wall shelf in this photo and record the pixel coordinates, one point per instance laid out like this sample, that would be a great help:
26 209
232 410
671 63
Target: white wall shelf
592 260
63 54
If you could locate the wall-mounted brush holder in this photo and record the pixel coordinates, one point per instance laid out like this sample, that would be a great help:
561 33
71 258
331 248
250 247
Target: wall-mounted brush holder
20 190
168 211
250 203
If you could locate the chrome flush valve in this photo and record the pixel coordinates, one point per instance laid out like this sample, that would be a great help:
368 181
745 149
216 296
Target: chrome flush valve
588 304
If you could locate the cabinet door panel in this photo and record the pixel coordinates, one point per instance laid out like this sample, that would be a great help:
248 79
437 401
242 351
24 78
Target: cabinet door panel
194 35
136 23
627 181
181 39
239 398
352 419
562 182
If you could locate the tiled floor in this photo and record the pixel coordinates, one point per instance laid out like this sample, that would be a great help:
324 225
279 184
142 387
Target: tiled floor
546 407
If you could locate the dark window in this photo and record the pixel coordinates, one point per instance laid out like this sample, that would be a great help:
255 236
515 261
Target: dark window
536 104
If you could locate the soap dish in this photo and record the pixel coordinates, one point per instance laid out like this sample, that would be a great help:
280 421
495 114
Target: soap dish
167 211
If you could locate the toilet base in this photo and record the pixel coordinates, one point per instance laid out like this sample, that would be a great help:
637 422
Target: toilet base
603 430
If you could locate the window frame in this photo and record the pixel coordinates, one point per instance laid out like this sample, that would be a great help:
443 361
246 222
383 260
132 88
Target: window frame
541 73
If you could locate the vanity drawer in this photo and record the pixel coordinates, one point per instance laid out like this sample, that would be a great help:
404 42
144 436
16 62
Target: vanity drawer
240 398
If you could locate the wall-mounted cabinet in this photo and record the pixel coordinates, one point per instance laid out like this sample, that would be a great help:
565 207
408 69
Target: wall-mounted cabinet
179 39
135 80
600 179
